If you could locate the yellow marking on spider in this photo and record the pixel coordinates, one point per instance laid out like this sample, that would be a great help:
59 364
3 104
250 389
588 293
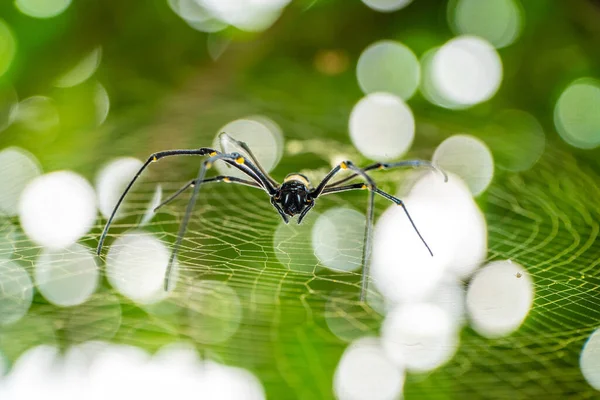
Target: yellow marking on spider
343 165
297 177
381 167
227 180
240 160
154 159
208 165
363 187
213 153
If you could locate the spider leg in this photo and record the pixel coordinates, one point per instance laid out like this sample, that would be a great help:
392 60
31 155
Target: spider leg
279 210
383 194
305 211
206 164
366 257
399 164
220 178
223 137
238 162
153 158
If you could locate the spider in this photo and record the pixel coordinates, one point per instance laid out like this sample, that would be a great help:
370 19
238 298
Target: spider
295 196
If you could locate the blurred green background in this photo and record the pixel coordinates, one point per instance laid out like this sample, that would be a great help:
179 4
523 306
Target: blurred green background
171 86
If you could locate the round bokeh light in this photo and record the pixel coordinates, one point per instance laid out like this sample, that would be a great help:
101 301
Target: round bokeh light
469 158
261 134
38 113
576 115
382 126
388 66
135 266
16 292
466 71
57 209
366 372
419 336
499 298
337 239
102 103
589 361
451 224
386 5
42 8
82 71
67 277
497 21
214 312
112 180
18 167
458 230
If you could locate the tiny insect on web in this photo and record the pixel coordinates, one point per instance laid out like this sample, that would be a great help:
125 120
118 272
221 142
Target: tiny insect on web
295 196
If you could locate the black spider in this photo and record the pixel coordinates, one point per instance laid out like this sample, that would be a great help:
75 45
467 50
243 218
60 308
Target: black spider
295 196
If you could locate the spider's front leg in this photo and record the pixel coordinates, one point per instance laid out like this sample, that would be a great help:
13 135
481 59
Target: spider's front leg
279 210
203 151
305 211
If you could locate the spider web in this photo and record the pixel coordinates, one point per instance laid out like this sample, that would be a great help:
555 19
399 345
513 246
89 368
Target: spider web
546 219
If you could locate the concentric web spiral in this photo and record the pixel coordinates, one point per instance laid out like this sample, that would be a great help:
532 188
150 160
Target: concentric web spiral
253 292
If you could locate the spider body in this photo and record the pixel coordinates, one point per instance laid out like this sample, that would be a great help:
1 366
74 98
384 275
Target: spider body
295 196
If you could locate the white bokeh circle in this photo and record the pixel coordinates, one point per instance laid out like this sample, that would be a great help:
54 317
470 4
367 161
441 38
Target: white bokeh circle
498 21
466 70
469 158
112 180
16 292
42 8
67 277
38 113
387 5
214 311
81 71
57 209
338 239
419 336
589 360
499 298
136 265
576 115
261 134
18 168
451 224
382 126
366 372
388 66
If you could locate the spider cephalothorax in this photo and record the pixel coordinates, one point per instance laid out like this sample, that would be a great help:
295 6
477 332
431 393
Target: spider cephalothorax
295 196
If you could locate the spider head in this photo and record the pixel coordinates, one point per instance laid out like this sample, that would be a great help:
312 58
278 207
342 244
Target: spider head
293 195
